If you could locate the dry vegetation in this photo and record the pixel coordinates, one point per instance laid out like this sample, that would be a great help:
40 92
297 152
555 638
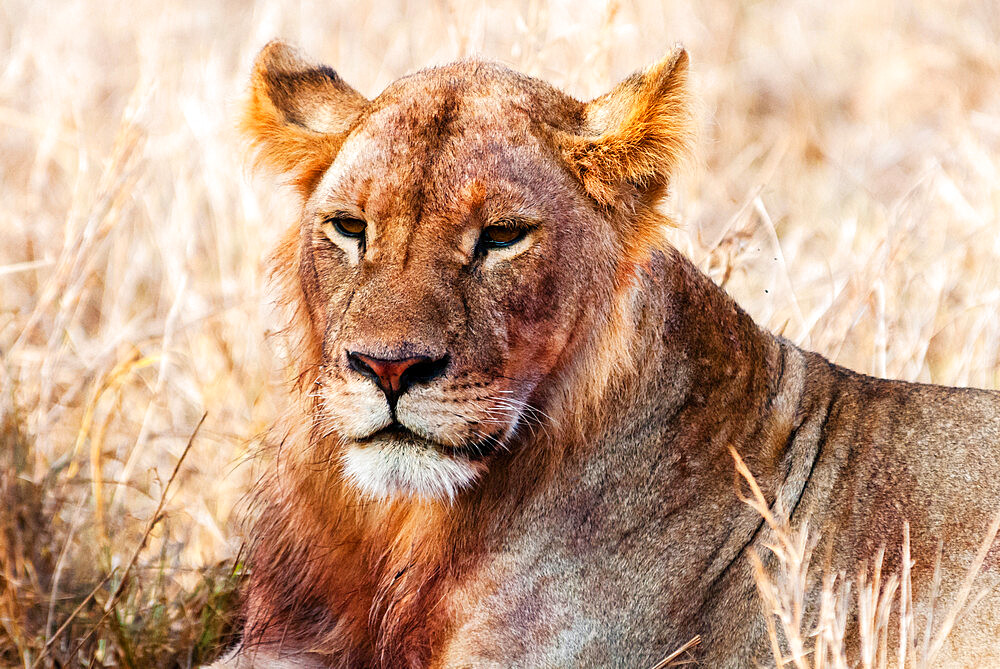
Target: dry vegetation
810 629
846 191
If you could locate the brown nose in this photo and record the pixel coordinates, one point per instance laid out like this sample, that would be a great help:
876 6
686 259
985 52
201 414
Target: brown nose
395 375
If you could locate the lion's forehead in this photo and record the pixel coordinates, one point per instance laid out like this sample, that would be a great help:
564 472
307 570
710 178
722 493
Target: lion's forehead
405 156
471 103
472 82
457 128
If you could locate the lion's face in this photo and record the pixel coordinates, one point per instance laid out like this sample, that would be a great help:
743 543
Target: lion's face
427 251
447 257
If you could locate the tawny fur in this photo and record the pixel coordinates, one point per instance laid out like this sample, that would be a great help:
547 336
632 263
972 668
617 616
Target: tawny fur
611 376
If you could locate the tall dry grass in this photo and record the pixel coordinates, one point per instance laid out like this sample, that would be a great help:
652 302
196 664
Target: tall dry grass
808 607
845 191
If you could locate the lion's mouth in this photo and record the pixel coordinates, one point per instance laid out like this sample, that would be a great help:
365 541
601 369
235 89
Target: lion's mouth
393 432
397 433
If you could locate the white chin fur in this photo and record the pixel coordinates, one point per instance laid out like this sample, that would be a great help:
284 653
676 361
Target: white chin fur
388 470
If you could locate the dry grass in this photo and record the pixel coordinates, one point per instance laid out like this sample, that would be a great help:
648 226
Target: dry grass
846 191
806 636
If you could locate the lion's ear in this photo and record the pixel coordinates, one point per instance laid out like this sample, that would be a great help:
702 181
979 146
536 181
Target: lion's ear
297 114
635 135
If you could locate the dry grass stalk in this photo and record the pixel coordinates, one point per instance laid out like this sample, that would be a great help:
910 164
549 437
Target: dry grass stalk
819 640
674 659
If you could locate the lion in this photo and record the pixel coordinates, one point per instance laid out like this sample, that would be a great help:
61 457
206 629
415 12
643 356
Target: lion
515 400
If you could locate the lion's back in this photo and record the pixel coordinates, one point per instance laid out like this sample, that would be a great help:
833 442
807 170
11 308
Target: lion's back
896 456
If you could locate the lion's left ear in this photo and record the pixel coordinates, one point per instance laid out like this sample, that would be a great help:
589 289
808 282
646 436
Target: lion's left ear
636 135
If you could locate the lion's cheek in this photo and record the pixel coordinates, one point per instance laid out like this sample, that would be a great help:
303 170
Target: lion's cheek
534 346
538 326
326 285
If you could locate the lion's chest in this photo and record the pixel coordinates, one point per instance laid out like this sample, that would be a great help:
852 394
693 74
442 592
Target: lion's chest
576 587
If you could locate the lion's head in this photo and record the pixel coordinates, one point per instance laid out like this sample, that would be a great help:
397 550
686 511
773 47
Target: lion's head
467 240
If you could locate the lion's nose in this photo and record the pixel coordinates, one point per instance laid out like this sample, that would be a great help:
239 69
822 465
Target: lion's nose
395 375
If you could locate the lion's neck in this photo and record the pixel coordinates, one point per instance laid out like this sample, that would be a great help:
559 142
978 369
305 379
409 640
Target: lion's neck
703 377
674 342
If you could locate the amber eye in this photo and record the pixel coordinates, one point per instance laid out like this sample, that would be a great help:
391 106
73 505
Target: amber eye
348 226
499 236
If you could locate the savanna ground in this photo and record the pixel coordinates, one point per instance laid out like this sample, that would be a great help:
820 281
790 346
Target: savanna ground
845 189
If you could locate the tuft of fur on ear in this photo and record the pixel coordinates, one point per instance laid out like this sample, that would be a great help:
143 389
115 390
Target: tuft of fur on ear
297 114
634 136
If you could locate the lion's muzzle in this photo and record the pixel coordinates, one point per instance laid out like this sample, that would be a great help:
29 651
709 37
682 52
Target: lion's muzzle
394 376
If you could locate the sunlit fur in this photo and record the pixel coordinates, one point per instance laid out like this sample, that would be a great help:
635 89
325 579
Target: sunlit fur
561 491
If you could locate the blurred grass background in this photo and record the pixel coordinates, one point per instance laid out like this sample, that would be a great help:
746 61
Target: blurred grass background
845 189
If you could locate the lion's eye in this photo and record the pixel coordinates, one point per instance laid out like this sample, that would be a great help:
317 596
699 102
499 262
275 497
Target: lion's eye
499 236
346 226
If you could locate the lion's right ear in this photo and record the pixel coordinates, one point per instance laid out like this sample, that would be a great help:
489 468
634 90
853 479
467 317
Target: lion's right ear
297 114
